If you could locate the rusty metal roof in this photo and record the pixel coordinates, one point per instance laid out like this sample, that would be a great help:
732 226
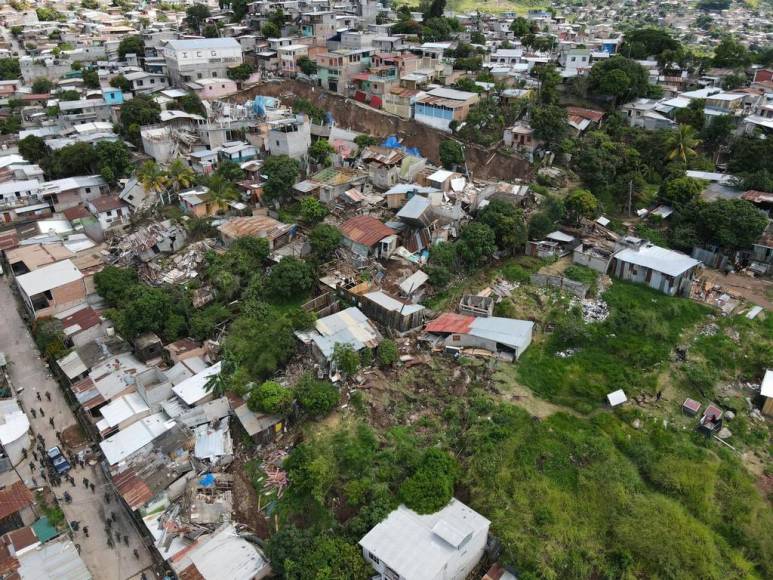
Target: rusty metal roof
13 498
365 230
451 323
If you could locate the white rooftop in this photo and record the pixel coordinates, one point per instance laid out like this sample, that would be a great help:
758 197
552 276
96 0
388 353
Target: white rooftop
193 390
659 259
13 421
49 277
766 390
126 442
123 408
418 547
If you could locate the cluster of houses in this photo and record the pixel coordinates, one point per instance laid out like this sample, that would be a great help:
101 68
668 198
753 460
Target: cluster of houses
166 438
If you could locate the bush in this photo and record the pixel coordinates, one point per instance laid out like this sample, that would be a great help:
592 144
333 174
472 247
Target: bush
387 352
290 278
270 397
316 397
345 359
431 486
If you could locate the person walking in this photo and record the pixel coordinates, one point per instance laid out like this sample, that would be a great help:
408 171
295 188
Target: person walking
48 396
42 412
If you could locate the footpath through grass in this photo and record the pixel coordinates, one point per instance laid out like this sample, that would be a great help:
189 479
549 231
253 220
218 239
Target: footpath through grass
623 352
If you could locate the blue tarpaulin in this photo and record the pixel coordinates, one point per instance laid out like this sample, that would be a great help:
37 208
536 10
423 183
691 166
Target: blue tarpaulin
208 480
391 142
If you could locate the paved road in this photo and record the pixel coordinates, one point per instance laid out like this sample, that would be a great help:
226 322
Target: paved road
28 372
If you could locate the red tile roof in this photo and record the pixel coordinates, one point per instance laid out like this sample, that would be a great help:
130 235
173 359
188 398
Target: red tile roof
590 114
14 498
22 538
365 230
84 318
450 323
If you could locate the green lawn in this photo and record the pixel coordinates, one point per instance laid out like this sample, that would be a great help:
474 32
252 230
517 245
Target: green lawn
625 351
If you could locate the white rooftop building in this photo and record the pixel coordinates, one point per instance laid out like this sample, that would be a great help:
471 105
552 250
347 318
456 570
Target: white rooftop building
445 545
126 443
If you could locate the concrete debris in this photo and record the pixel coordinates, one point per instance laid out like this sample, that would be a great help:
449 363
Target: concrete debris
567 353
594 310
724 433
729 415
709 329
756 415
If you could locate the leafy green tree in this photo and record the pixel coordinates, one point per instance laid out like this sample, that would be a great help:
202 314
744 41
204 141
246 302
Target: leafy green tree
221 191
307 66
508 224
643 43
260 344
435 30
540 225
282 173
46 14
549 82
750 154
431 486
387 352
620 78
113 160
320 152
324 239
240 73
713 5
9 69
33 149
345 358
477 244
179 175
477 37
581 203
680 191
734 224
75 159
312 211
69 95
364 141
520 27
270 30
152 177
132 44
191 103
121 82
290 278
141 110
205 321
318 398
42 85
211 31
731 54
230 171
550 124
114 284
90 79
270 397
196 15
692 115
451 154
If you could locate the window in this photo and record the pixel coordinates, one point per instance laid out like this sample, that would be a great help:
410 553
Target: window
391 574
200 75
372 558
185 55
88 190
198 53
213 53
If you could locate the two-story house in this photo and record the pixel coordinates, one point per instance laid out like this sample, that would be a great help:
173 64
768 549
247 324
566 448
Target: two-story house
189 60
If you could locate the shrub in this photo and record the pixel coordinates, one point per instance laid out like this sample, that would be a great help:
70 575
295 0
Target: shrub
316 397
270 397
387 352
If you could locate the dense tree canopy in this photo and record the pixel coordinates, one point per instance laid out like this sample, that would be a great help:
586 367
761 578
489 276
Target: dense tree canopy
282 172
643 43
141 110
619 77
132 44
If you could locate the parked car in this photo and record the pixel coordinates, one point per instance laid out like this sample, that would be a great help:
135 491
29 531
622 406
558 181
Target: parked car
58 460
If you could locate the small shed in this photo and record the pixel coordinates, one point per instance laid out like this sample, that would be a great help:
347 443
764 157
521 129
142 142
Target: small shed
766 390
691 407
711 420
148 346
260 427
616 398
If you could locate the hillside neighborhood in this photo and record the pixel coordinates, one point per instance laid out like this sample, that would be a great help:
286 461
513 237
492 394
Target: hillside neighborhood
350 290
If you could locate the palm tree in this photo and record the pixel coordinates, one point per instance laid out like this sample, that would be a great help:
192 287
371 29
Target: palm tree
221 191
180 175
152 177
219 383
683 143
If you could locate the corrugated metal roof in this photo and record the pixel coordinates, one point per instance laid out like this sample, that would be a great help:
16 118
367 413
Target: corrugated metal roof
365 230
450 323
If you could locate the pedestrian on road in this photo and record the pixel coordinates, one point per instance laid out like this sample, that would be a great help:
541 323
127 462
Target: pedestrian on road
117 536
37 394
51 422
126 539
48 396
78 547
34 481
113 516
86 531
93 488
136 553
86 481
42 412
34 413
110 541
24 453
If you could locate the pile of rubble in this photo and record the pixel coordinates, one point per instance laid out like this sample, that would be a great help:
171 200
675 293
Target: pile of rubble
594 310
276 478
179 268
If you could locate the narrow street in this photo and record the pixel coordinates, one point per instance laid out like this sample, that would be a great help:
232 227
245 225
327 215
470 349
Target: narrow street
29 373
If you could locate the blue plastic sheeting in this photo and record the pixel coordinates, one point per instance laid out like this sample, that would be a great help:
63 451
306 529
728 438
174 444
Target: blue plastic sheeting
261 103
329 120
208 480
391 142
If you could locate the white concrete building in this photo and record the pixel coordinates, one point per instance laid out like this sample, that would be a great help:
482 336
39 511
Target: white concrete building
189 60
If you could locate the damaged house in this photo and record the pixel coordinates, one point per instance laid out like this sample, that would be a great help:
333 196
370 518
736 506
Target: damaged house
665 270
506 338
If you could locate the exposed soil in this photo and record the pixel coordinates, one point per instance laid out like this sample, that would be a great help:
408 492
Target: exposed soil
756 290
73 438
245 501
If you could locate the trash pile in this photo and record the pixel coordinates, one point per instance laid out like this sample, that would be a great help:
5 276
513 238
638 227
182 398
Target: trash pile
709 329
276 478
179 268
567 353
594 310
